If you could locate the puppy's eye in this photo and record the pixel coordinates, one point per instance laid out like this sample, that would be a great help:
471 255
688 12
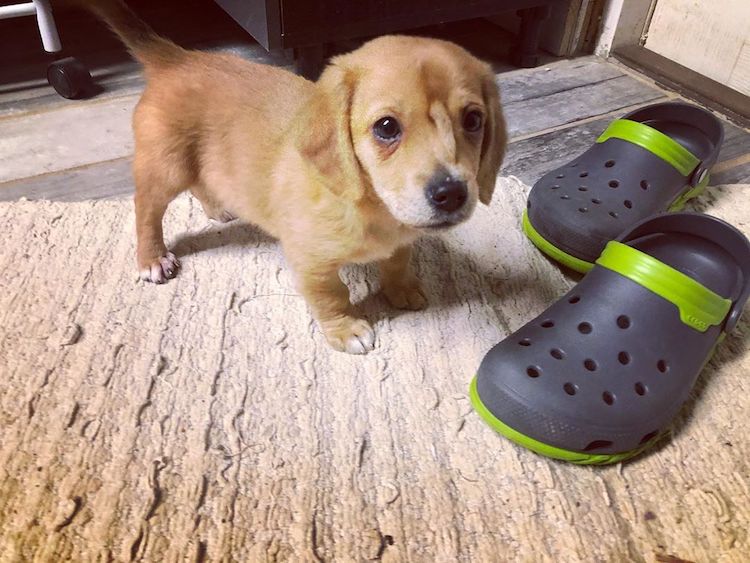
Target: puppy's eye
387 129
473 121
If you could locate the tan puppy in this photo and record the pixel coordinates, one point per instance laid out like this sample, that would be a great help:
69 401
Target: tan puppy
397 139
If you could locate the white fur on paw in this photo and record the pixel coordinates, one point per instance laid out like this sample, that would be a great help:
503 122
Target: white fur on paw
362 339
356 336
165 268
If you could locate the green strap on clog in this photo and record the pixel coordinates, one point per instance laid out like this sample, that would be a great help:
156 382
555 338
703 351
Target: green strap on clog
653 141
700 308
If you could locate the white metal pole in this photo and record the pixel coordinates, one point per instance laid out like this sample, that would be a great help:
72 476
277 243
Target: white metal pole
47 27
17 10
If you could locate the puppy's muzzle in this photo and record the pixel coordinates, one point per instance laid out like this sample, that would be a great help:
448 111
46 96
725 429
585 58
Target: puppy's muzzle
447 194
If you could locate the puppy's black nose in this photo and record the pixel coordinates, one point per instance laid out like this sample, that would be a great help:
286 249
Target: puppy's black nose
447 195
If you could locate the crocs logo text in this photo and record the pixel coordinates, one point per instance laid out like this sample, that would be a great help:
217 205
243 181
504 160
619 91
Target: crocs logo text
695 322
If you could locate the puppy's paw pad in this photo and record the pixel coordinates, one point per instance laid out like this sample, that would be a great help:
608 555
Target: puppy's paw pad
353 336
408 297
162 269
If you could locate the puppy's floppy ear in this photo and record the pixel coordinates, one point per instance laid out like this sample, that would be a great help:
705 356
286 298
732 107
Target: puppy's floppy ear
326 138
494 140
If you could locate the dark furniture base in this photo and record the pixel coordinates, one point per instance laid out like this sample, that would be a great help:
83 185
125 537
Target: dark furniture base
526 53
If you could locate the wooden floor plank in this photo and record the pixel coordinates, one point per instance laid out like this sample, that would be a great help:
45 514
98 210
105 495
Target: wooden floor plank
735 175
736 142
39 96
735 149
560 76
75 136
531 158
103 180
544 112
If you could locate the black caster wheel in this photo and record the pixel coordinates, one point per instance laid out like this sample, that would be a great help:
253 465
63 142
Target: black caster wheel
70 78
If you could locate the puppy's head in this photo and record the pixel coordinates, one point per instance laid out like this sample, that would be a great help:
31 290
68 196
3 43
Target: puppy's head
417 121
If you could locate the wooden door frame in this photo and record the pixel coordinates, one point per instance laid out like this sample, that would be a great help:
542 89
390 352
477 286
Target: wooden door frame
625 26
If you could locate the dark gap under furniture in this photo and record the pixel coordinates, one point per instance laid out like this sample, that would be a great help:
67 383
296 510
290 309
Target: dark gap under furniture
310 28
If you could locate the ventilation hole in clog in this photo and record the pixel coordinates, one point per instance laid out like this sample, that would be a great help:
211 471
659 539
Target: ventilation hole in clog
596 201
627 203
573 300
623 358
524 342
608 398
640 388
597 445
565 196
589 364
554 187
583 209
583 189
583 174
570 389
548 324
533 371
613 214
623 321
560 176
609 163
585 328
650 436
644 185
557 353
662 366
614 184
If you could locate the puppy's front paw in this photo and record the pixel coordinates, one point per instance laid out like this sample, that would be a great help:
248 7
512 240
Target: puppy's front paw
354 336
405 295
160 270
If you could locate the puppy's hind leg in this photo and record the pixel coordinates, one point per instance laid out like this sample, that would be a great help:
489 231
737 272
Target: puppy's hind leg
153 193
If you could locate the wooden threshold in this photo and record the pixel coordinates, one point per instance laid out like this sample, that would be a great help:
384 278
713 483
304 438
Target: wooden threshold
687 82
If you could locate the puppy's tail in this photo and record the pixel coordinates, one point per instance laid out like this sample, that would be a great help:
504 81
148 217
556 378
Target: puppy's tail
142 41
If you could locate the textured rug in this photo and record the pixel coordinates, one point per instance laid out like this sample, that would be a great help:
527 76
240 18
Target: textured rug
207 419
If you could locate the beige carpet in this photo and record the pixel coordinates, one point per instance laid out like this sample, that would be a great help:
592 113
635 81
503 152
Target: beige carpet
207 420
